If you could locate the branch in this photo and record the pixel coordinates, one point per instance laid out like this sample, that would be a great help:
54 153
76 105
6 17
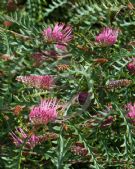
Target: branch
16 34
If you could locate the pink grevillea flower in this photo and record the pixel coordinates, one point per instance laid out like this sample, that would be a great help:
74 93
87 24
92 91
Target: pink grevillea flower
107 37
60 33
131 66
37 81
45 112
131 111
20 137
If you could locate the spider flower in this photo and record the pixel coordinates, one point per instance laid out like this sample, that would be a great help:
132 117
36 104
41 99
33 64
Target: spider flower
45 112
107 37
20 137
131 111
131 66
37 81
60 34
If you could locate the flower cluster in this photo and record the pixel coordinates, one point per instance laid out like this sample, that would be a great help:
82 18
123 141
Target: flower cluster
131 111
62 67
107 122
82 97
37 81
79 149
20 138
44 113
48 136
107 37
7 23
113 84
61 34
38 57
131 66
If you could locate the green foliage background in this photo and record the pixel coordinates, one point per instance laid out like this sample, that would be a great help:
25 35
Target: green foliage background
112 147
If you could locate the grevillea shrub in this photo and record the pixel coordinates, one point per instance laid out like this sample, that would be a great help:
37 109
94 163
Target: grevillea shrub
67 84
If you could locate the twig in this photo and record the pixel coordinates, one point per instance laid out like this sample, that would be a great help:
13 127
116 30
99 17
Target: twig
16 34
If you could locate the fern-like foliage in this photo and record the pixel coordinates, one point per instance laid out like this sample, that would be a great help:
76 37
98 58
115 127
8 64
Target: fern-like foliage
92 129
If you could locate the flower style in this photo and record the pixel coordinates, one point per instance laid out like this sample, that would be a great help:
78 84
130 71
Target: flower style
20 137
37 81
45 112
131 66
107 37
131 111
